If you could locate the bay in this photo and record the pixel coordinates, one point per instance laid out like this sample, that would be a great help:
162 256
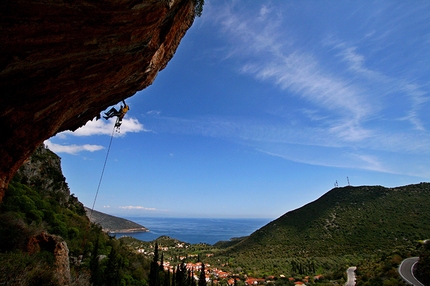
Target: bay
196 230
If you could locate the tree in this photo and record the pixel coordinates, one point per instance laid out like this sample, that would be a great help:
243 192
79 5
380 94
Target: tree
202 276
114 267
191 280
174 277
166 278
95 265
181 275
423 265
154 270
162 262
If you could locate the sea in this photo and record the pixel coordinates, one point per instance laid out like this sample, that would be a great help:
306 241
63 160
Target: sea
196 230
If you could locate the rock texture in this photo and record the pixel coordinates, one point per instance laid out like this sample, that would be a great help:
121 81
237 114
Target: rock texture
57 246
43 171
62 62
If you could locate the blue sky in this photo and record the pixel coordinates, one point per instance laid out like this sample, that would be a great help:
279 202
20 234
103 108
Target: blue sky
263 108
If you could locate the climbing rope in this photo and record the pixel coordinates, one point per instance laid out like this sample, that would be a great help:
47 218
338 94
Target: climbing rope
115 127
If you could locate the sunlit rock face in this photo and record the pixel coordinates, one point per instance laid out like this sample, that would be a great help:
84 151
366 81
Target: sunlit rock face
62 62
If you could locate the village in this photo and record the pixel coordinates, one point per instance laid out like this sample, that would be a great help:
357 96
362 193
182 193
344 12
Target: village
215 275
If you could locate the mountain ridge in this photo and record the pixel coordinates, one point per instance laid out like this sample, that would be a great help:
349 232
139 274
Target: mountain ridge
353 221
345 226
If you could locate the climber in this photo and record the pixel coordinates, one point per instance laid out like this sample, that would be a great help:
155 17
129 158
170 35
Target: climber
119 113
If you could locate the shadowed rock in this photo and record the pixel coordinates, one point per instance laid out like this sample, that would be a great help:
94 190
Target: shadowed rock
62 62
58 247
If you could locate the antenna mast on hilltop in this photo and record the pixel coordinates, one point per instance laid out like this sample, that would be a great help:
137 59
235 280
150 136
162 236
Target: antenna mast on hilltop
336 184
348 181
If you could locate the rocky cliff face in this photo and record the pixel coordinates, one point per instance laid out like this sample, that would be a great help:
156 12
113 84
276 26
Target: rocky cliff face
56 245
62 62
43 171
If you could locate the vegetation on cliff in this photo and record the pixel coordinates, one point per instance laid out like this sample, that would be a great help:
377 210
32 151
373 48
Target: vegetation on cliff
39 201
198 7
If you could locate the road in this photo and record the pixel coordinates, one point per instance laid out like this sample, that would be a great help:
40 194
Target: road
351 276
406 271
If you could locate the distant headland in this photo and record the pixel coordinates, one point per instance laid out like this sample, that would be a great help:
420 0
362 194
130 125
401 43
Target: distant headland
113 224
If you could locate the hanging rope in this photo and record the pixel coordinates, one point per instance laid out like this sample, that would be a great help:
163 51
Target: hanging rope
116 128
103 170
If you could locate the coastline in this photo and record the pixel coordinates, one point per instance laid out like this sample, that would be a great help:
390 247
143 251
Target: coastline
196 230
113 224
128 230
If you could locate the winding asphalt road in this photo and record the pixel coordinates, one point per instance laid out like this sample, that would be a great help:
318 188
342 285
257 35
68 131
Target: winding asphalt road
406 271
350 272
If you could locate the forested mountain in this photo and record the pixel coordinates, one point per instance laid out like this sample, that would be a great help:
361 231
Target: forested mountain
347 220
343 227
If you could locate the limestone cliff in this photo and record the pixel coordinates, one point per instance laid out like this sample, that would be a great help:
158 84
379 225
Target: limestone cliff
62 62
39 215
43 171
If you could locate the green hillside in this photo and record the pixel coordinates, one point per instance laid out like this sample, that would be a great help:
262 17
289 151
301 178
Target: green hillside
39 216
373 228
349 222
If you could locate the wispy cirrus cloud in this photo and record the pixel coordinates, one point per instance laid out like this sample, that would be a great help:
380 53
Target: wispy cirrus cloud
258 132
349 99
270 54
349 96
340 158
351 158
411 94
418 98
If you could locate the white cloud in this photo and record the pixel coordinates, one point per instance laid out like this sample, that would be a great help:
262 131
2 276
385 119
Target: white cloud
71 149
131 125
154 112
94 127
101 127
137 208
